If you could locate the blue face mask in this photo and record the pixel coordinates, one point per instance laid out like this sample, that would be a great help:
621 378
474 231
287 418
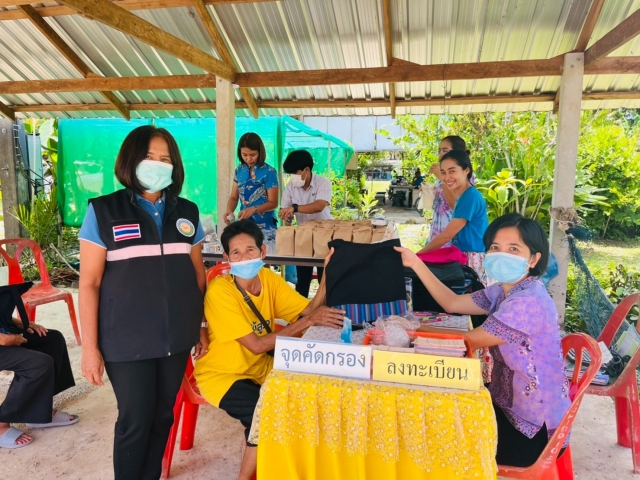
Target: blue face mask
154 176
505 267
246 269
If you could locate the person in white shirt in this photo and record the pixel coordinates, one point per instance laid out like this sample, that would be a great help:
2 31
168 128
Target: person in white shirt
308 197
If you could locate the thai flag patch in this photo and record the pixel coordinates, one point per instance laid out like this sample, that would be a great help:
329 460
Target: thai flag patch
126 232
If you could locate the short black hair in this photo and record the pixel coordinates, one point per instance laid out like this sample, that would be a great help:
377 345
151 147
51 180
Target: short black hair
297 160
252 141
457 143
238 228
461 158
135 148
532 235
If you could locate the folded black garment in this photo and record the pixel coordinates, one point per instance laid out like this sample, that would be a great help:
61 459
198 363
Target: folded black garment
364 273
10 299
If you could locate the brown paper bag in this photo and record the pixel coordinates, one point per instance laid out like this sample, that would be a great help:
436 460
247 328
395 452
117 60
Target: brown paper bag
343 233
285 241
362 235
363 223
325 223
304 242
378 234
321 238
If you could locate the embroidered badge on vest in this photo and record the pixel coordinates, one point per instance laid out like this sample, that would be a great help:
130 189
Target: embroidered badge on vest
126 232
185 227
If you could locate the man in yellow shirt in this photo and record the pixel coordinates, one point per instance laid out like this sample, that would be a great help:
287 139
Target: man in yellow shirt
229 376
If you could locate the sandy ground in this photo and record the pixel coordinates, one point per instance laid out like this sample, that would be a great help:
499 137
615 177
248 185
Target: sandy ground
83 451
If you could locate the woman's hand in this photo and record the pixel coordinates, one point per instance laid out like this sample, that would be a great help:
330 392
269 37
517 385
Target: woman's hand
409 259
326 317
247 213
226 217
92 366
38 329
435 170
11 340
203 345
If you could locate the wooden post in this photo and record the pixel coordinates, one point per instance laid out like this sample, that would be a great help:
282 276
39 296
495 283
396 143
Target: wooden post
13 189
225 144
564 182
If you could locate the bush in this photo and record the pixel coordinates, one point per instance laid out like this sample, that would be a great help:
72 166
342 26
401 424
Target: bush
607 157
514 155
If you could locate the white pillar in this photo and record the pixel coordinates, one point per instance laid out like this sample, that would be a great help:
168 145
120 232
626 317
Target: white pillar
225 144
565 167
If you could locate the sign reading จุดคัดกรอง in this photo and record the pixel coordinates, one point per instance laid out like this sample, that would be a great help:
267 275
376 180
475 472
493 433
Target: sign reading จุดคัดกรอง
431 370
323 358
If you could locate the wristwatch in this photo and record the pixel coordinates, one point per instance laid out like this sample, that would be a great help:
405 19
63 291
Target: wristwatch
295 208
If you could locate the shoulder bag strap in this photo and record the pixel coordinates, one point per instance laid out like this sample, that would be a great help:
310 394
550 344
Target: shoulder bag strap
253 307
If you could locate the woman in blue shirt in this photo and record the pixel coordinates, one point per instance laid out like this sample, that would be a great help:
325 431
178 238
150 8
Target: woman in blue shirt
469 220
255 185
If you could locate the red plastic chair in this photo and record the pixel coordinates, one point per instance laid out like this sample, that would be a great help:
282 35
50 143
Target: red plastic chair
625 388
549 466
188 400
42 293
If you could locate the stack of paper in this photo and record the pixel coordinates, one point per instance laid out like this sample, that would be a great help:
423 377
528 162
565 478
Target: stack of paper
443 320
439 346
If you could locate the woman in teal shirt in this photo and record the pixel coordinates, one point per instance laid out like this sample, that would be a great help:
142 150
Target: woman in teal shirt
469 220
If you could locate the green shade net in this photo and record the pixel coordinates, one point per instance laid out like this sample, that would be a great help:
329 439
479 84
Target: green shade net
88 150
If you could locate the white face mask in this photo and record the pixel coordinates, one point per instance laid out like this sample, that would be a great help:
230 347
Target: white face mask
297 180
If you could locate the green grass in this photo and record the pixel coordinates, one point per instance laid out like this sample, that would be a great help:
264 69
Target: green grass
606 254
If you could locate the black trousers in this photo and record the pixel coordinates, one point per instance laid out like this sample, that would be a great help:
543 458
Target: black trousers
146 393
514 447
304 279
240 402
41 369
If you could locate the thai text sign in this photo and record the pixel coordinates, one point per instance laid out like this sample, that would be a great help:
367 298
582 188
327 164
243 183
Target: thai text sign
418 369
324 358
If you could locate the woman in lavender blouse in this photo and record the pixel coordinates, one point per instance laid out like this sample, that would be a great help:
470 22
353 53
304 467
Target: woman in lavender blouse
528 386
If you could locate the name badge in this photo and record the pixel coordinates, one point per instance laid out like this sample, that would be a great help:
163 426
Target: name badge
323 358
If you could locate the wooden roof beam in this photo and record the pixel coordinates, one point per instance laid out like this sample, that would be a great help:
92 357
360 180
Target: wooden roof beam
618 36
589 25
55 39
293 104
131 5
117 104
126 22
388 45
69 54
401 73
7 112
223 51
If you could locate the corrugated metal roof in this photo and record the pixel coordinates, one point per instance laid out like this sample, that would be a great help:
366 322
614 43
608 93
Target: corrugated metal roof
322 34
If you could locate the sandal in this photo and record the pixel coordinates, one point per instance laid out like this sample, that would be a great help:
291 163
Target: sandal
60 419
8 438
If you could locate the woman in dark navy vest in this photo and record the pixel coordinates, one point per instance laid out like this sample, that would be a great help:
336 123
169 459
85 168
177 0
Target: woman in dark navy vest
141 296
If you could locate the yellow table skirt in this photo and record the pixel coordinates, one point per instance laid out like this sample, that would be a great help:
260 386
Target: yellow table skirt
311 427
